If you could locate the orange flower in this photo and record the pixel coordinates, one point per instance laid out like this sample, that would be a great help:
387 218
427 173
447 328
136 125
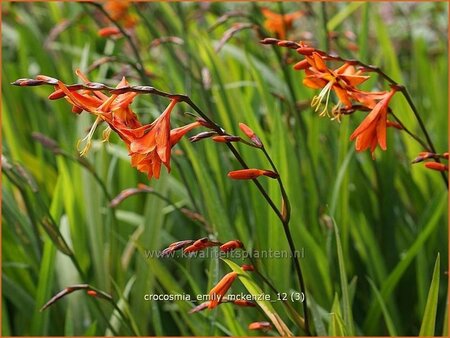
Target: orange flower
372 130
216 294
119 11
114 109
280 24
149 145
260 326
341 80
249 174
231 245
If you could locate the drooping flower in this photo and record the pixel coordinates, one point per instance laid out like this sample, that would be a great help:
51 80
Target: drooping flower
114 109
372 130
216 294
280 24
149 145
249 174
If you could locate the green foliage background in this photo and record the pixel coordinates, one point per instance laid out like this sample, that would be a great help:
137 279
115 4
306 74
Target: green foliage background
391 215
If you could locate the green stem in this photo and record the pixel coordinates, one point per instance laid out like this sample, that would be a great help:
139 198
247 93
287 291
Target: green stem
285 221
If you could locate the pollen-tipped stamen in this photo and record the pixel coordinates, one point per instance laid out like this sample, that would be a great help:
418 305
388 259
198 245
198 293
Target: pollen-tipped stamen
318 99
88 138
106 134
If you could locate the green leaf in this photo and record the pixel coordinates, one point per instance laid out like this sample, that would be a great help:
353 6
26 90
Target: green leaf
384 309
342 15
256 291
337 326
347 308
429 317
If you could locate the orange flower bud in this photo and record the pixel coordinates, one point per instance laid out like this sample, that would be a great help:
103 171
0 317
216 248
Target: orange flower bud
247 267
92 293
305 50
244 303
251 135
231 245
246 130
260 326
249 174
216 294
226 138
436 166
108 31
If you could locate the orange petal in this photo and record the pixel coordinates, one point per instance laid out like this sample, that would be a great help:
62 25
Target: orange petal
355 80
319 64
381 132
342 96
314 82
177 133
